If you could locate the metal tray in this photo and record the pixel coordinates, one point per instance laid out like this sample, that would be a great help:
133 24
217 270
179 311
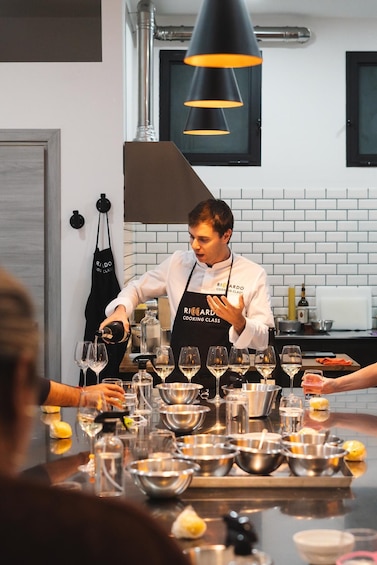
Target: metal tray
281 478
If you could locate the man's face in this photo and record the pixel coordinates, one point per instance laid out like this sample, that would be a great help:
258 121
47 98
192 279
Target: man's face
208 246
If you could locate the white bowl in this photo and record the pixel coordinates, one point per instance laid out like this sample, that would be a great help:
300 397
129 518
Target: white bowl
323 547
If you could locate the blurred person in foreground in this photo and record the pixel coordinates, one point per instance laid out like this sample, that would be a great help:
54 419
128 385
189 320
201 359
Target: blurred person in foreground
55 525
363 378
216 297
52 393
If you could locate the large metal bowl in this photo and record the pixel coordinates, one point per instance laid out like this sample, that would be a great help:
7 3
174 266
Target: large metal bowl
203 439
162 478
310 460
261 398
183 418
213 460
179 393
221 555
258 460
317 438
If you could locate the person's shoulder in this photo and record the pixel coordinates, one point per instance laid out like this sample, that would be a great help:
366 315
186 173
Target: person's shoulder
184 258
240 260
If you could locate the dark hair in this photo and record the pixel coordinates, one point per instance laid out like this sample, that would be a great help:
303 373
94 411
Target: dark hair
214 212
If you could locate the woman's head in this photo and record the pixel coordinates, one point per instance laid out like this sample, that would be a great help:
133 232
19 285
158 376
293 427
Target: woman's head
18 360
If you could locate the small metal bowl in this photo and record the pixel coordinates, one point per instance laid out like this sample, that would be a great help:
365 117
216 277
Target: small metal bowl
221 555
258 460
318 438
322 326
203 439
310 460
162 478
213 460
183 418
261 398
179 393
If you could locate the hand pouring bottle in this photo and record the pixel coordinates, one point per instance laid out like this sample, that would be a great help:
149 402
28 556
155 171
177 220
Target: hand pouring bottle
113 333
143 382
109 452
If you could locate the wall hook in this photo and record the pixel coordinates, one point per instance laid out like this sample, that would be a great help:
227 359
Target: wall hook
103 204
77 220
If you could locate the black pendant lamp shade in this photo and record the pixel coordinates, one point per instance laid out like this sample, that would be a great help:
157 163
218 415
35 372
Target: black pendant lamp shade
223 36
206 121
214 88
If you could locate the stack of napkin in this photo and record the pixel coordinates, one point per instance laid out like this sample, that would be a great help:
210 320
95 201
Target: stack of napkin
333 361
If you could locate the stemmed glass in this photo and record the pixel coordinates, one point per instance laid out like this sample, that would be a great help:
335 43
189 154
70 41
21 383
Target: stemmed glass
239 360
81 357
97 357
163 363
91 404
265 361
291 361
189 361
217 364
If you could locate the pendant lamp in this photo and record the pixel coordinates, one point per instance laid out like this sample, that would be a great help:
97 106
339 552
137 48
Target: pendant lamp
214 88
223 36
206 121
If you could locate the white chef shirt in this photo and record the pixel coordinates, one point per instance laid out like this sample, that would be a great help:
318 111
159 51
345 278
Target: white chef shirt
170 278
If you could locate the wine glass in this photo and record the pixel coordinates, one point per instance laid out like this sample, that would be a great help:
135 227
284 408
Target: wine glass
291 361
81 354
189 361
163 363
97 357
239 360
265 361
91 404
217 364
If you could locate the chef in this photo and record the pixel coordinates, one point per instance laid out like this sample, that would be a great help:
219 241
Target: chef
216 297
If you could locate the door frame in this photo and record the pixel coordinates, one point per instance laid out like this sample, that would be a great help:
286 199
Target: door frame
49 139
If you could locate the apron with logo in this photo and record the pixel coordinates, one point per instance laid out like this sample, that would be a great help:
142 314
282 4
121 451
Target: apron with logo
105 287
196 324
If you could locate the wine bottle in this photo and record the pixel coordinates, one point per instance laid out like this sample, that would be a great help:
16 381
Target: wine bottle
113 333
302 307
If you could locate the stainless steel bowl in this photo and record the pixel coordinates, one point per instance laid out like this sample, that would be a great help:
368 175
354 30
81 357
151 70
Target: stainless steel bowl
203 439
289 326
162 478
179 393
261 398
318 438
322 325
258 460
310 460
221 555
183 418
213 460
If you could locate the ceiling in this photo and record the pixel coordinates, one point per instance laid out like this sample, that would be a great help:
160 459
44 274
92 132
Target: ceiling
308 8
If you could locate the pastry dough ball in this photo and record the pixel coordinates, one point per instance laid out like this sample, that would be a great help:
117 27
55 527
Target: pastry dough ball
60 430
188 525
318 403
356 450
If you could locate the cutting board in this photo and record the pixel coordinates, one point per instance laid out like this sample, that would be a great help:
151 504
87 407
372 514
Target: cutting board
349 306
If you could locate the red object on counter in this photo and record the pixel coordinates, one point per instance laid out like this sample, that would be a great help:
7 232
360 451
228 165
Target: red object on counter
333 361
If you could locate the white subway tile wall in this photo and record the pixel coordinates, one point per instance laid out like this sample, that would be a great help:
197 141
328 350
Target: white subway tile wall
324 237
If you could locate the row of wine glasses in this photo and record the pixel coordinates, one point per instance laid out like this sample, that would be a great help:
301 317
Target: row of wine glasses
91 355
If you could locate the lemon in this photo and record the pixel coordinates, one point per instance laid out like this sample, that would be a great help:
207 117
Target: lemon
60 446
356 450
50 409
60 430
188 525
357 468
318 403
49 418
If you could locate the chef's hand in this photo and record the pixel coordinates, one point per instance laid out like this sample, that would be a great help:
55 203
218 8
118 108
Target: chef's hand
225 310
119 315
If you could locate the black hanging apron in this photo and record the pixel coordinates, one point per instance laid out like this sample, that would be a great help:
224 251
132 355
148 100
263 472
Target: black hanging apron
105 287
196 324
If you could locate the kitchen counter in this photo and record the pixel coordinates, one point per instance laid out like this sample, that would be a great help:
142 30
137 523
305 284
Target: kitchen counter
336 334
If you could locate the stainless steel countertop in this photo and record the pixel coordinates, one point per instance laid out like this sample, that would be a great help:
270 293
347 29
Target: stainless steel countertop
344 334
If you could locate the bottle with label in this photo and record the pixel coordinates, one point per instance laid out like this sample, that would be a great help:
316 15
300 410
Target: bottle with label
150 330
113 333
303 307
109 451
143 382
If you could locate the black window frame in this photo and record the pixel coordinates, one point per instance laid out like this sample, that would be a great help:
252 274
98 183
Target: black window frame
252 101
355 60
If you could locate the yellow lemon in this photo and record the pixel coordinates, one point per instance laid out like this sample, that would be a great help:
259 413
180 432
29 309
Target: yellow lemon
188 525
50 409
60 430
49 418
60 446
318 403
356 450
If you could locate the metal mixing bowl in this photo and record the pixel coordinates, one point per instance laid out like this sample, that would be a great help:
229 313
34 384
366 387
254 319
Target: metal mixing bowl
221 555
203 439
183 418
261 398
310 460
162 478
322 325
258 460
179 393
213 460
317 438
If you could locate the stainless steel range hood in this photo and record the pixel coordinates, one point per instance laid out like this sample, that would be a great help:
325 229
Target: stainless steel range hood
160 186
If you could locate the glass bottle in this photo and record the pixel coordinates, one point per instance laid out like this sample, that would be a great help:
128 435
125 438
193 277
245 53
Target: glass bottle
113 333
302 307
143 382
150 330
109 453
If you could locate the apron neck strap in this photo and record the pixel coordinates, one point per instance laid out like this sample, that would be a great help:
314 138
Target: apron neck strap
108 229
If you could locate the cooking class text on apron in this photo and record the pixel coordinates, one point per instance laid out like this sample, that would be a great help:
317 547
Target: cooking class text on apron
105 287
196 324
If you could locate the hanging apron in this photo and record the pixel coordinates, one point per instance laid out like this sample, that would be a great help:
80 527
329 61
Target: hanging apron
105 287
196 324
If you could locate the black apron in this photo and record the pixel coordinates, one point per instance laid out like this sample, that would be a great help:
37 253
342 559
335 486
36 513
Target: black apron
196 324
105 287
